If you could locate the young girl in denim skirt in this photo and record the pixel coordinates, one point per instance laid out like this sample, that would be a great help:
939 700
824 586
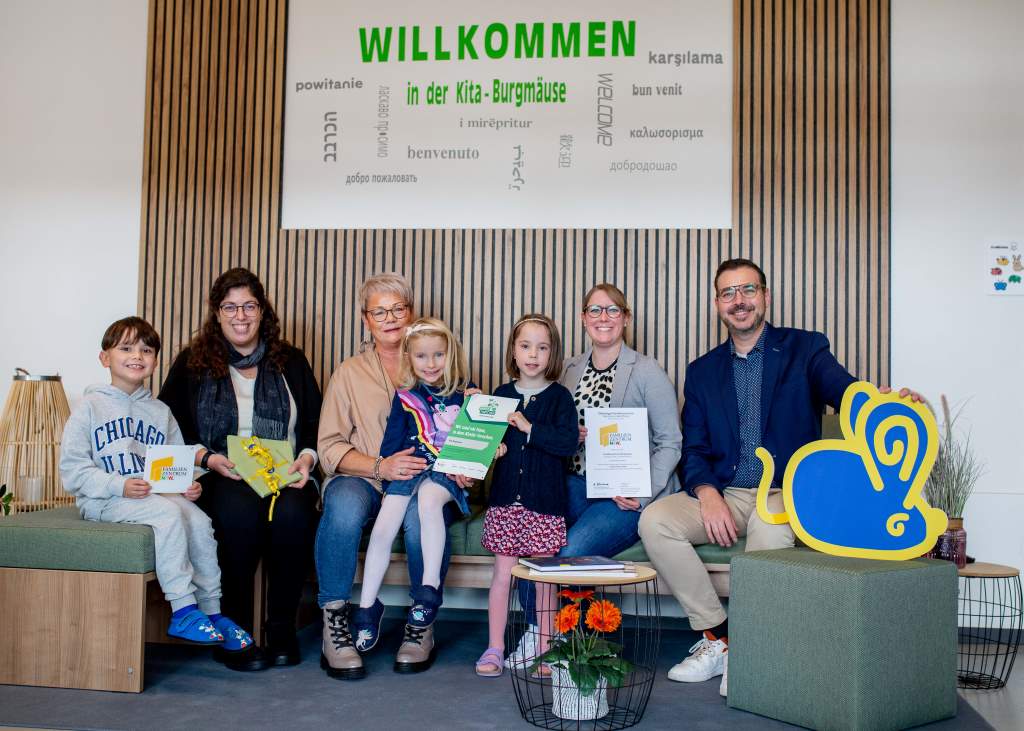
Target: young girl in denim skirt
526 513
432 387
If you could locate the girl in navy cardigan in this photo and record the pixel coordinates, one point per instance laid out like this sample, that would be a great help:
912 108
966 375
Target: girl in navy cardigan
526 513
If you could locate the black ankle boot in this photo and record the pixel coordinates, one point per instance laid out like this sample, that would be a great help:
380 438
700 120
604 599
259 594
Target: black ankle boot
282 644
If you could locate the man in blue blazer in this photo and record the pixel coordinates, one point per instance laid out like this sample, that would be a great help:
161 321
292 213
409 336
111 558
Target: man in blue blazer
764 387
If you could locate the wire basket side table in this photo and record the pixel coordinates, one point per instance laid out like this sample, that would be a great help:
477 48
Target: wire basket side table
989 624
553 701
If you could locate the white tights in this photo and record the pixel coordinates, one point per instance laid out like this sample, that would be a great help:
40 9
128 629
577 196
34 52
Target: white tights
433 533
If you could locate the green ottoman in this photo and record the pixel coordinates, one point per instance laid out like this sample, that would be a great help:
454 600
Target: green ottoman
842 643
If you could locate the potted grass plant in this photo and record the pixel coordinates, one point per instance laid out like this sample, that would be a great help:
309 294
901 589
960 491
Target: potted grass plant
951 482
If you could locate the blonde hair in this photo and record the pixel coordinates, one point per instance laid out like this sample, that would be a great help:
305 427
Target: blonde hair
554 370
388 282
456 372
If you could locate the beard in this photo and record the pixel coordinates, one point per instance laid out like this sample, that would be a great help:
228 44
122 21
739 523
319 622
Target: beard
752 327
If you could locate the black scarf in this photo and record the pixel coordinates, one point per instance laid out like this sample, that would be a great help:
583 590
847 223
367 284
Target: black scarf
217 409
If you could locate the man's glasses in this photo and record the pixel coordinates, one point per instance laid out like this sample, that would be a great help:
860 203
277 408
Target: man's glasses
248 309
614 312
380 314
749 292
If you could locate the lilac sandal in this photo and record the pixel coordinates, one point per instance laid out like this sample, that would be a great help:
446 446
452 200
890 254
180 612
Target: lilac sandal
491 664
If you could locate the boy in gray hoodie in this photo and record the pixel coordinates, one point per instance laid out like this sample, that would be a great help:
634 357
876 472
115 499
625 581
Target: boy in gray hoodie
102 456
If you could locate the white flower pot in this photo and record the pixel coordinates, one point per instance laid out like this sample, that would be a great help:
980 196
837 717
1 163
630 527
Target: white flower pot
568 702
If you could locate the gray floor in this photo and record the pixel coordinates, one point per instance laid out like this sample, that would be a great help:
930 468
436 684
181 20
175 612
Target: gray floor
185 688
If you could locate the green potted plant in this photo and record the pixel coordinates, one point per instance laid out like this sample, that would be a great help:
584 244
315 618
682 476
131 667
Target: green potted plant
583 664
951 481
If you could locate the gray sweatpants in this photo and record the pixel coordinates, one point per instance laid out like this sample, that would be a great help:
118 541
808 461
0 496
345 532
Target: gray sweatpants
186 551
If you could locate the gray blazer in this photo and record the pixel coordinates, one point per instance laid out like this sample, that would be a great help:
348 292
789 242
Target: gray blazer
641 383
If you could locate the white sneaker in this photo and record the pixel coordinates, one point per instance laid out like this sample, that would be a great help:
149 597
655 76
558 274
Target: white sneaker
723 689
706 661
526 650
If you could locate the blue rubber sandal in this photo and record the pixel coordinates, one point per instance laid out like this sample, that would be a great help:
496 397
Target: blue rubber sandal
195 627
236 639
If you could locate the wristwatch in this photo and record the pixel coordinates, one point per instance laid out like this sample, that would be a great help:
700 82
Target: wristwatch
206 459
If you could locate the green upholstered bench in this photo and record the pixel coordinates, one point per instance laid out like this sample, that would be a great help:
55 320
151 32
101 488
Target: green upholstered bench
842 643
65 585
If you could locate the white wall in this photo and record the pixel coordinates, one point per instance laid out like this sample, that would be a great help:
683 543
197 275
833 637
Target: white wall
957 183
73 95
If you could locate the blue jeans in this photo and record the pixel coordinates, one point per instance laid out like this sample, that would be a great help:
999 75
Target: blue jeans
597 527
350 504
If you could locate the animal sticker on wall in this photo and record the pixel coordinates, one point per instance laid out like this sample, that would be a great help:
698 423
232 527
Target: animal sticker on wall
1003 267
861 496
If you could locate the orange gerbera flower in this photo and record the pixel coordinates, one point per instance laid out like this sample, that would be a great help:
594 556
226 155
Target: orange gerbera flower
576 595
567 618
603 616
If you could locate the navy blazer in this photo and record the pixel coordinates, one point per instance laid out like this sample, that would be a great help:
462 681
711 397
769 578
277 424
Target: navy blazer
800 376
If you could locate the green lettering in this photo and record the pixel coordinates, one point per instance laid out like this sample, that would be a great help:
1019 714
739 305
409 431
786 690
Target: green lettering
624 38
466 42
496 29
417 54
565 43
439 53
532 45
374 44
595 38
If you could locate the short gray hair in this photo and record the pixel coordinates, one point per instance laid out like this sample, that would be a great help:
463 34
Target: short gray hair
389 282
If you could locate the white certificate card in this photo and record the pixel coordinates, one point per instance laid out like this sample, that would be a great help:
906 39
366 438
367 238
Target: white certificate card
618 453
170 467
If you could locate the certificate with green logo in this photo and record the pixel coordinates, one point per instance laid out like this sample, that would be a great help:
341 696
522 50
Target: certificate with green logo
475 436
618 453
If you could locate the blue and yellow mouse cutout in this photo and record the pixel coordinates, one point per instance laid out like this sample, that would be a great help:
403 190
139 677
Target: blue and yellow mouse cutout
861 496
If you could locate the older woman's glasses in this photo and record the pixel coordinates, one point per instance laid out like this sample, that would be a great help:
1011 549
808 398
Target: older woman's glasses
380 314
614 312
249 309
749 292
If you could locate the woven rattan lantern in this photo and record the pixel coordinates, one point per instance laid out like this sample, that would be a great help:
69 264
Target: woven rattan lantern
30 432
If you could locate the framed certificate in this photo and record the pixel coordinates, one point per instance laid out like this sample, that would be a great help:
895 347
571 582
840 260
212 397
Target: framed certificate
618 453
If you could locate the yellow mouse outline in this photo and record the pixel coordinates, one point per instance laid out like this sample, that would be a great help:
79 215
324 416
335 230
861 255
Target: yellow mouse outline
855 441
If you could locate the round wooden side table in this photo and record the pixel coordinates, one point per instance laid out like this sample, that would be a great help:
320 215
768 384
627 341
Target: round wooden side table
989 624
548 696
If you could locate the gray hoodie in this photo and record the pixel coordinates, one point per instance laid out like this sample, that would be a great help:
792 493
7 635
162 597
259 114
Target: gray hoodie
105 443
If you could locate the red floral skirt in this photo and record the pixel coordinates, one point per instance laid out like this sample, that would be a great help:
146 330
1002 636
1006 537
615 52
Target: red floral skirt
512 530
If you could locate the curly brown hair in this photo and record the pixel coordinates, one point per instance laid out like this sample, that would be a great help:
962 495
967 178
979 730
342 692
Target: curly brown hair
208 350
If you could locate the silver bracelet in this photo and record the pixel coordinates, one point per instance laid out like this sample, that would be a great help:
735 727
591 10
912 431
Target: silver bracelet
376 469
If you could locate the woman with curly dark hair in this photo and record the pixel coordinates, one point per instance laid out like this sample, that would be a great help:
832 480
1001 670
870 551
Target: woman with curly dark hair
238 376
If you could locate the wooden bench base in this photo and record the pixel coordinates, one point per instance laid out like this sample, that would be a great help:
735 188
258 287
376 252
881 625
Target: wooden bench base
474 572
73 629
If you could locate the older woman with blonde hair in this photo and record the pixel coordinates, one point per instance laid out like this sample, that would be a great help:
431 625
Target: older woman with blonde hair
355 412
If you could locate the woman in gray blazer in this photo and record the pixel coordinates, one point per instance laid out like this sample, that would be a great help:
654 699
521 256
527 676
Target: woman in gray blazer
610 374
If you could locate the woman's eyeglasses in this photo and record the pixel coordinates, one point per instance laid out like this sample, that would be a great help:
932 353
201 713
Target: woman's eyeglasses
230 309
614 312
380 314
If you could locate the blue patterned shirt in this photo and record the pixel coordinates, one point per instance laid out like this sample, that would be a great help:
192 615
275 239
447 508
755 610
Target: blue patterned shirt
747 372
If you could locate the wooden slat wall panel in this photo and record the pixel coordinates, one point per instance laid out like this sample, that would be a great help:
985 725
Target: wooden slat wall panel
810 189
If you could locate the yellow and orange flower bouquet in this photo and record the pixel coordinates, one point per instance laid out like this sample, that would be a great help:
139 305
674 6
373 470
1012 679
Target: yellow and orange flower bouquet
586 655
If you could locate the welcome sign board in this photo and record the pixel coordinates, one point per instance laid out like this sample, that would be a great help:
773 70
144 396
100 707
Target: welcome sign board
489 115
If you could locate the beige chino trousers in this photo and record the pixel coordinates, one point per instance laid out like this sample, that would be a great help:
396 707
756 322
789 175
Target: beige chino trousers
672 526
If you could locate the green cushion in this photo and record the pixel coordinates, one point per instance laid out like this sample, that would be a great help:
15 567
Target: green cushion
474 532
59 539
841 643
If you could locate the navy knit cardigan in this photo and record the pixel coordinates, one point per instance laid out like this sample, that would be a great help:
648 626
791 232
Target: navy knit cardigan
533 471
